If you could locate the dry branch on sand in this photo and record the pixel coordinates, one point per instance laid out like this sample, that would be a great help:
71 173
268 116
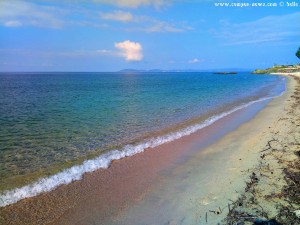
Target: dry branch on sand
282 205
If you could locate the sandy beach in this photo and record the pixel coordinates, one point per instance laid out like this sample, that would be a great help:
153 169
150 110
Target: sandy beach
242 168
272 190
149 112
296 74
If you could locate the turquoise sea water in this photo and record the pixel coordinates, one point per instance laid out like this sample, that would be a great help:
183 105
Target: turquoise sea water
51 121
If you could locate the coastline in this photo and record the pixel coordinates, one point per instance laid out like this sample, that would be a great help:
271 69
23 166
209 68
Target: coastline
219 202
103 161
60 206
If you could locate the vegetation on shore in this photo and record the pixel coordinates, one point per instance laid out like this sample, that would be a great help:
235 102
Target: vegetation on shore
279 69
298 53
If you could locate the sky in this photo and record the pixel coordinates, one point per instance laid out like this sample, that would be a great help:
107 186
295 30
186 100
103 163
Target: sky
111 35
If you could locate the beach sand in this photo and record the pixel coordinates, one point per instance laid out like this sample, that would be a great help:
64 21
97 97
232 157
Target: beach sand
198 179
272 192
295 74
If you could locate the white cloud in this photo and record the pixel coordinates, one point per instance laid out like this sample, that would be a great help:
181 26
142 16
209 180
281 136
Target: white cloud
65 54
17 13
195 60
12 23
81 53
103 51
132 51
118 16
270 29
134 3
12 12
145 23
164 27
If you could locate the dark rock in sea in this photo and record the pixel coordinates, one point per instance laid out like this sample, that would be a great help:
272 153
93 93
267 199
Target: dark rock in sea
225 73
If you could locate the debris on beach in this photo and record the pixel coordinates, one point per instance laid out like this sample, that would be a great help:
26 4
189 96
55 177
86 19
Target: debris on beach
272 192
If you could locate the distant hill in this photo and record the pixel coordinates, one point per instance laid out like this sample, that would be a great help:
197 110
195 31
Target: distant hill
226 70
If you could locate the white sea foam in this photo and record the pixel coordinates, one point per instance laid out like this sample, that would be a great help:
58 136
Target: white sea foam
103 161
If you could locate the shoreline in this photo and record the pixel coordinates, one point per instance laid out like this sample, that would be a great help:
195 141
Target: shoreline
64 202
213 198
103 161
151 163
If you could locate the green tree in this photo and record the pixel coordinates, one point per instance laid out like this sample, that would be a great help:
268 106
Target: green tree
298 53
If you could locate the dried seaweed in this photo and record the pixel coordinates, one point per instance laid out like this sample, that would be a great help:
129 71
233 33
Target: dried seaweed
246 209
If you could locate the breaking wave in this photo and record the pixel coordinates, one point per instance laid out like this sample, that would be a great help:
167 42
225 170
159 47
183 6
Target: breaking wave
103 161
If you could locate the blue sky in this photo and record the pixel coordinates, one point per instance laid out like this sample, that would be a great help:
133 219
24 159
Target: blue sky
110 35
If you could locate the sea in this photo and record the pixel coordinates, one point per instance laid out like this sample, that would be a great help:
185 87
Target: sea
54 127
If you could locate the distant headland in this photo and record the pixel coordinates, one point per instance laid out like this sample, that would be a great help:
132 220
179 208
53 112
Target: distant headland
214 71
279 69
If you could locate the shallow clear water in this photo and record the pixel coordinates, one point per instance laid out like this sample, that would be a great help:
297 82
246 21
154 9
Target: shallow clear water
50 120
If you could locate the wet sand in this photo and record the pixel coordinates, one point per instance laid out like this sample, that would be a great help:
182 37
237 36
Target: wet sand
187 181
104 194
208 188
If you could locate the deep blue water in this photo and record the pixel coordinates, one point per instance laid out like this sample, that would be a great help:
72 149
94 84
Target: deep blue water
51 119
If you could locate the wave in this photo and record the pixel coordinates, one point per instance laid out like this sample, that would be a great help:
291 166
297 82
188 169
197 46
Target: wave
104 160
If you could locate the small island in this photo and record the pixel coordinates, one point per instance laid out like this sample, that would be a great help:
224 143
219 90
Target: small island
225 73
